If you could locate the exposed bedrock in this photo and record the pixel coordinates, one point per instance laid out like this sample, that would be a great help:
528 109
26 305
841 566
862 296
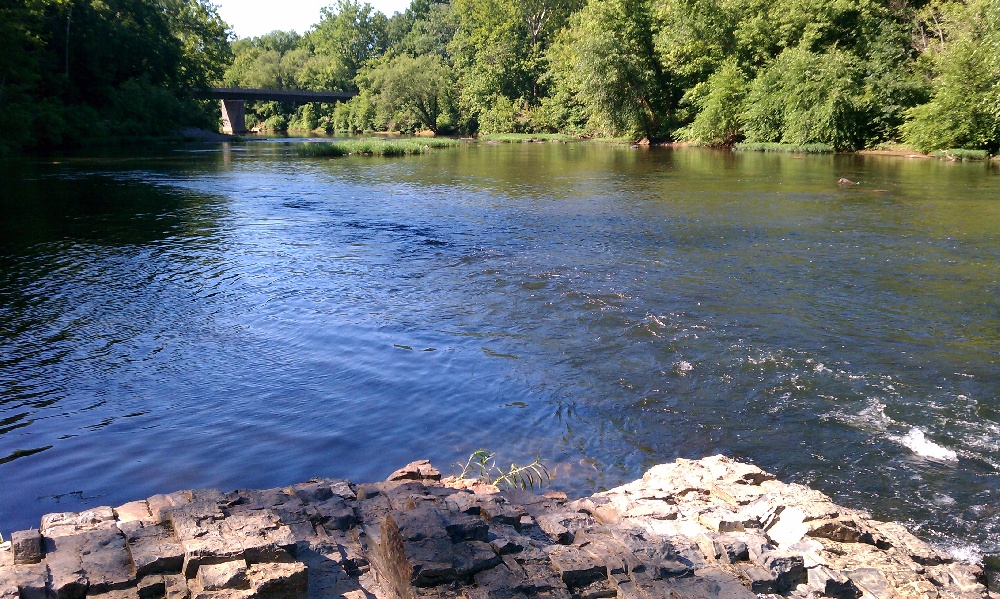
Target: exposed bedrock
710 528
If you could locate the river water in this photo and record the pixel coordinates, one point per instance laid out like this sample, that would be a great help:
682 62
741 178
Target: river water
230 317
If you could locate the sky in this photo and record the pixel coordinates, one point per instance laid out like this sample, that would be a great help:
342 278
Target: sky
250 18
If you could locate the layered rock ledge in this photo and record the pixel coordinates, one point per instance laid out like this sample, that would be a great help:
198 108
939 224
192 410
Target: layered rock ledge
711 528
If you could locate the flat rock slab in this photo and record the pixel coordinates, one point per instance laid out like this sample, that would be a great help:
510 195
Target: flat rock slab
711 528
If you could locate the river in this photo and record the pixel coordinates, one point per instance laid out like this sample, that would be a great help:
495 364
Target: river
237 316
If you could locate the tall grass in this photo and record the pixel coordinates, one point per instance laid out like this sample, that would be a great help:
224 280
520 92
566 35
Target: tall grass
962 154
787 148
513 138
373 147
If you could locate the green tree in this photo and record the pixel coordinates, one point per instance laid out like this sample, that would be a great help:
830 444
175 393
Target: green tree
805 97
963 62
719 103
421 88
351 34
617 72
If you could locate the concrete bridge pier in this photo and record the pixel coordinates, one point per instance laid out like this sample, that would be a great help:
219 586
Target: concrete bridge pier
233 117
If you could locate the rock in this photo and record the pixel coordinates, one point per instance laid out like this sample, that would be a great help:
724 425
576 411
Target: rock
152 587
105 561
788 528
731 549
152 548
872 582
789 570
225 575
63 556
31 582
26 546
68 523
419 470
758 579
576 568
709 584
832 584
280 581
694 528
134 511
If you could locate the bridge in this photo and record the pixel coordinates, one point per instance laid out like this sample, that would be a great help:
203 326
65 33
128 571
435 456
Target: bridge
233 100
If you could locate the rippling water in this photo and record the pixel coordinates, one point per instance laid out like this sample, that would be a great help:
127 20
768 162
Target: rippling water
240 317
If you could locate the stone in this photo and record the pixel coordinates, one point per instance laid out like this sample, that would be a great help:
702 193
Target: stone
152 548
211 548
872 582
419 470
789 570
788 528
63 556
261 534
832 584
151 587
554 527
280 581
134 511
709 584
497 509
69 523
225 575
758 580
421 538
30 581
472 557
106 562
26 546
175 586
576 568
731 549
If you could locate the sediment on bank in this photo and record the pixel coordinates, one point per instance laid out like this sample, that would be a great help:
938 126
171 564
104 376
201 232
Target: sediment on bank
711 528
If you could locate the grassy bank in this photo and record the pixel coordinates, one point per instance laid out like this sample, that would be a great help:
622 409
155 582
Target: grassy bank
374 147
959 154
513 138
785 148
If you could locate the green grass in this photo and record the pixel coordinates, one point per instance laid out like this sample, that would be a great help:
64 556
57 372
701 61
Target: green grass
373 147
513 138
787 148
962 154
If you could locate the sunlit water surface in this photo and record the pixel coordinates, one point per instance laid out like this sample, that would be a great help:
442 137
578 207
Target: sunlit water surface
239 317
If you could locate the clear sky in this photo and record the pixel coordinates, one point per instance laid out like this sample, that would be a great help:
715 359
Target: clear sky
250 18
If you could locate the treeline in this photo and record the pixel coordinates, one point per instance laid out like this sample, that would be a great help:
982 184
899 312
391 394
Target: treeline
77 70
847 73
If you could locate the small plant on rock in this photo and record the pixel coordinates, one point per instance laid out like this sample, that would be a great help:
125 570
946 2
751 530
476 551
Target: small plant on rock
482 465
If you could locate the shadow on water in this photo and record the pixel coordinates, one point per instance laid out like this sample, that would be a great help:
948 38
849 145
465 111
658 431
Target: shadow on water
240 317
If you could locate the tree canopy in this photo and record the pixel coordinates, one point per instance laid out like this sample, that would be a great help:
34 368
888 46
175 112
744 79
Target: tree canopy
847 73
77 69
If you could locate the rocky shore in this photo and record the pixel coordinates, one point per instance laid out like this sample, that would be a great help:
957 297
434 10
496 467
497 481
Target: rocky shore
711 528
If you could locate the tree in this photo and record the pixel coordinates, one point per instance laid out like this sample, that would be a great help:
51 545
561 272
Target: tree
719 102
618 75
805 97
421 86
963 62
350 33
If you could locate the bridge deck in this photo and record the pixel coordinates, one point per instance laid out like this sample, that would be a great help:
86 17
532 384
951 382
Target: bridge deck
279 95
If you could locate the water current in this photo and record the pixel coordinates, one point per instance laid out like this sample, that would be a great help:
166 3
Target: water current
215 316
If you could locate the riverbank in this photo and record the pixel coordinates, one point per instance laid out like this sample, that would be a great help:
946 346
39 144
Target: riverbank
707 528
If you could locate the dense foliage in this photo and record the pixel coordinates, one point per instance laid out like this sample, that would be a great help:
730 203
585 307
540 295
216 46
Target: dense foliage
80 69
843 73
